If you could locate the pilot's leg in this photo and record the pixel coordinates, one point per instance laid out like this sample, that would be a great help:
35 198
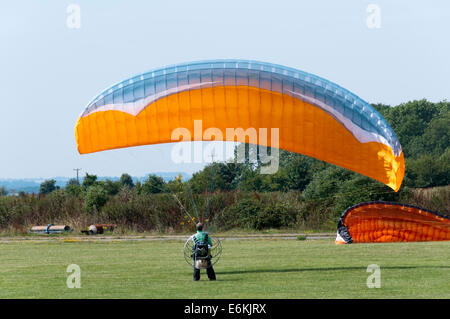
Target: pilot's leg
210 271
196 274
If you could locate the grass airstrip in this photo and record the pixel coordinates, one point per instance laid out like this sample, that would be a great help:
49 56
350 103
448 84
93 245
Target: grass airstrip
249 268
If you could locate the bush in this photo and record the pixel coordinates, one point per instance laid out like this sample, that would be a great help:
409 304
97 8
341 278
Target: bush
260 211
142 212
48 186
435 199
325 183
361 189
428 171
96 196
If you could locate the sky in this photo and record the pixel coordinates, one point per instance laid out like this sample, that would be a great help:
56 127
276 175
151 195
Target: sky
50 70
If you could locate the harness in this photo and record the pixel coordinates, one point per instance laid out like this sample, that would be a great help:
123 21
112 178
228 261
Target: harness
200 249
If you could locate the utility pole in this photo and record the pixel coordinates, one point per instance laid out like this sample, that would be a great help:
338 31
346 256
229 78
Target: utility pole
77 169
210 185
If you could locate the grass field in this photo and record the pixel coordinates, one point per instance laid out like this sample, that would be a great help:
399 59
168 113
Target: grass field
248 269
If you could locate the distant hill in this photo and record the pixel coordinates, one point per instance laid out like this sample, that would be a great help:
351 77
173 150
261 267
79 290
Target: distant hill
31 185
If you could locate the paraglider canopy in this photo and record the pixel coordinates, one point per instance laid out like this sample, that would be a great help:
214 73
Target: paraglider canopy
391 222
300 112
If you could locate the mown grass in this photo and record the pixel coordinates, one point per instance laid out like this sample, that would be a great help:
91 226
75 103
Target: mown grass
248 269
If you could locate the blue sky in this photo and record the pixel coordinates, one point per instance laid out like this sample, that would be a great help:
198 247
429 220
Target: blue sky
49 72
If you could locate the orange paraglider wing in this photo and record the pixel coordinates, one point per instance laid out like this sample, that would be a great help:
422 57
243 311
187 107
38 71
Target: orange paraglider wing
314 116
373 222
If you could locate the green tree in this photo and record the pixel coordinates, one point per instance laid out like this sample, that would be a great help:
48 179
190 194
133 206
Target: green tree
409 121
299 173
126 180
89 180
436 137
176 185
326 183
215 176
249 180
72 181
428 171
153 185
96 196
384 109
361 189
48 186
138 187
73 187
3 191
111 187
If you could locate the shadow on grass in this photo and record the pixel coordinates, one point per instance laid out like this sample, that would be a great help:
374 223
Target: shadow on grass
256 271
